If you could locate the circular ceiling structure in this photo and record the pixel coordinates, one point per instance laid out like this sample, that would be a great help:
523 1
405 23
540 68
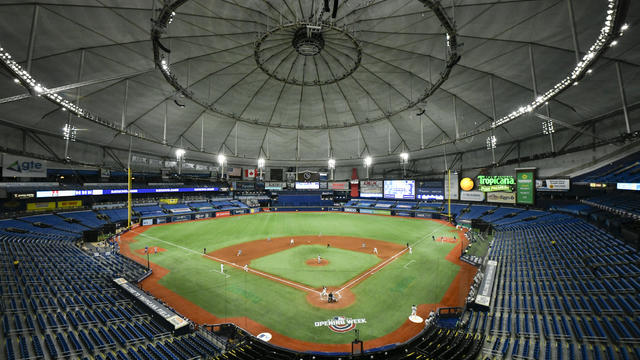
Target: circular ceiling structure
315 47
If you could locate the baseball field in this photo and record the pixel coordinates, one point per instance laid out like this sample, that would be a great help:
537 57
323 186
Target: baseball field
275 266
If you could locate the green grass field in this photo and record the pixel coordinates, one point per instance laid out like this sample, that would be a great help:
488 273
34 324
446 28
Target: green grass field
343 265
384 299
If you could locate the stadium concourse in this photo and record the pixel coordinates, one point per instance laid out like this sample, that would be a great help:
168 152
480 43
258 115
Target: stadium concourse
345 179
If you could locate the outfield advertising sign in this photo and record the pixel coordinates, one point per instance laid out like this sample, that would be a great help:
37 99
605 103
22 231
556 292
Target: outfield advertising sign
501 197
454 191
223 213
496 183
473 195
20 166
382 212
525 188
553 185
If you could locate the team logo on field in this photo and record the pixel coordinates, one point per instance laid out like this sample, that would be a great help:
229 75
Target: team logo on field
341 324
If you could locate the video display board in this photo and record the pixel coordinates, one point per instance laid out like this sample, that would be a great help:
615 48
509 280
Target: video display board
371 188
429 190
399 189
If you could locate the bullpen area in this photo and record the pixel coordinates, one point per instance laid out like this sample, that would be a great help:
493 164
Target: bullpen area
273 273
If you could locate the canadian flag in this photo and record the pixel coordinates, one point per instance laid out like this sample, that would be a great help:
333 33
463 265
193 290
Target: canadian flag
250 173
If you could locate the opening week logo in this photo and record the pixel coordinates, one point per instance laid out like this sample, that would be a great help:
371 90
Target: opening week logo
340 324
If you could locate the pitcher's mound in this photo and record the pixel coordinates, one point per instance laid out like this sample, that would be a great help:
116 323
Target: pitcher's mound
314 262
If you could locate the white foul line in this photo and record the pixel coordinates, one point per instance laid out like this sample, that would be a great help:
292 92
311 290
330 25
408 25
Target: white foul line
381 265
232 264
405 265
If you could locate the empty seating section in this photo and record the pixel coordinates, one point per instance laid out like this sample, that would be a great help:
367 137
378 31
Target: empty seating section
87 218
563 289
116 215
57 222
35 232
61 302
626 170
475 212
623 203
149 210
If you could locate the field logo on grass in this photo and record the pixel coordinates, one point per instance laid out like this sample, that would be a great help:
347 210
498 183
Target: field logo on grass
340 324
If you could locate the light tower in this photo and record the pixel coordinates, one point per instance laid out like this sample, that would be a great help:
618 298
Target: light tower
332 165
261 163
367 165
221 160
180 157
404 160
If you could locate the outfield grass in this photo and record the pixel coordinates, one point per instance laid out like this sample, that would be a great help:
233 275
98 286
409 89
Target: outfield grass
384 299
290 264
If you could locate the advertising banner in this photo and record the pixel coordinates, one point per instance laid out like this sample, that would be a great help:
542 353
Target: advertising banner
382 212
339 185
403 213
501 197
473 195
272 185
553 185
496 183
222 213
525 187
366 211
628 186
20 166
41 206
181 218
308 185
352 210
147 222
452 192
69 204
169 201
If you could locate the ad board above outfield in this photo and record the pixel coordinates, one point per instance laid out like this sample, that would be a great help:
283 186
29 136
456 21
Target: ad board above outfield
553 184
21 166
371 188
501 197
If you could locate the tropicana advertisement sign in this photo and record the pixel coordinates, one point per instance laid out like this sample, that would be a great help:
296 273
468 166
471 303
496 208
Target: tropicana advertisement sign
496 183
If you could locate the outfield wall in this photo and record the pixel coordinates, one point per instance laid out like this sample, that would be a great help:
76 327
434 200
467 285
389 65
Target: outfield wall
172 218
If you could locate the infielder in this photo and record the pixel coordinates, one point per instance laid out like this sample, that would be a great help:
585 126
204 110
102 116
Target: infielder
375 250
291 242
222 268
239 252
246 267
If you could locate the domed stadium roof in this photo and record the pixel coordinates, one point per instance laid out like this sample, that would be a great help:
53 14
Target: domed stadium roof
288 80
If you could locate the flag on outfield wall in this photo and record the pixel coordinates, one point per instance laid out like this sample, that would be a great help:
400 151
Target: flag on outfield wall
250 173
